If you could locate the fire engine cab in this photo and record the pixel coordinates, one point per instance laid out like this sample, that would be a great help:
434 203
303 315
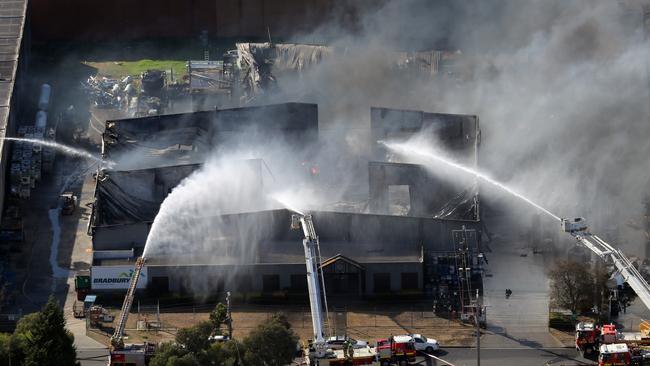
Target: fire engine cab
398 350
614 354
608 334
587 338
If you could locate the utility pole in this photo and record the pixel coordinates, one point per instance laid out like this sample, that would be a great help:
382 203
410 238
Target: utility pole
228 315
478 330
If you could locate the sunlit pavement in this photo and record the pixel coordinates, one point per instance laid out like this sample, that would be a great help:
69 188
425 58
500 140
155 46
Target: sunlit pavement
521 320
507 356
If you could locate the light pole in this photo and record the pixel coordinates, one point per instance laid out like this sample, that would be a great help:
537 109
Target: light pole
229 315
477 311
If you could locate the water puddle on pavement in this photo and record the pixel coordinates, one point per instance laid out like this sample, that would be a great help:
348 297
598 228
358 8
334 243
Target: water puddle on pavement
57 272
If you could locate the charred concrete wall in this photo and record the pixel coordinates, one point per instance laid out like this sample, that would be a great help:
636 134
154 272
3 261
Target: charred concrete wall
458 133
429 195
424 194
122 19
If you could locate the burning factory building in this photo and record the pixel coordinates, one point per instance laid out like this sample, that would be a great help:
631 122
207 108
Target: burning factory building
395 229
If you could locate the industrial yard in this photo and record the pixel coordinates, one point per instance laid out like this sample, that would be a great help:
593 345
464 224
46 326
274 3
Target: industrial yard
364 183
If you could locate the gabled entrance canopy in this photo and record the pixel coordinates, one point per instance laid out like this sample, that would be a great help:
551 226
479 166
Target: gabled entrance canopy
342 264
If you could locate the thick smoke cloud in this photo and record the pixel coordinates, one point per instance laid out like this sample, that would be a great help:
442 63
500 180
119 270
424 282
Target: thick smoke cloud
561 90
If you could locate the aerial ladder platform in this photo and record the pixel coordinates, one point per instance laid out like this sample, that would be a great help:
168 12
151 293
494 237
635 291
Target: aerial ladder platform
578 228
133 354
319 354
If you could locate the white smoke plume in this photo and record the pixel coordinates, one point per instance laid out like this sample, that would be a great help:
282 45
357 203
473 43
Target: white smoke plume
561 90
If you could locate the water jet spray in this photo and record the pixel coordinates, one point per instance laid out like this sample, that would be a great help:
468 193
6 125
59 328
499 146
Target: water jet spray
68 150
407 149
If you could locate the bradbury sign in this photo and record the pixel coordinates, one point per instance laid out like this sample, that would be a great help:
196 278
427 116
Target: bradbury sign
115 277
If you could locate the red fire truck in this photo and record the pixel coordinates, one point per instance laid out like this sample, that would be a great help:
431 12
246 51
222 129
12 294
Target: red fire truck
398 350
615 354
587 338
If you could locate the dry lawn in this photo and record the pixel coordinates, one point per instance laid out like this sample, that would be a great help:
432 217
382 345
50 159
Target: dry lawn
362 325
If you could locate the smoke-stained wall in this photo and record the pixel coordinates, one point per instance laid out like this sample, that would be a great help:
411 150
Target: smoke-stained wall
390 235
456 132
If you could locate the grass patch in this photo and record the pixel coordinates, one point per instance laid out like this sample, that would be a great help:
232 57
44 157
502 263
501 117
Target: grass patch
560 321
119 69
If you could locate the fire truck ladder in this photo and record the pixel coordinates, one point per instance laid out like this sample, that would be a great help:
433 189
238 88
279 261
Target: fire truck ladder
116 339
314 271
624 266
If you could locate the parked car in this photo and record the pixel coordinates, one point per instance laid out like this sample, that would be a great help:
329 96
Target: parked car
424 344
336 342
218 338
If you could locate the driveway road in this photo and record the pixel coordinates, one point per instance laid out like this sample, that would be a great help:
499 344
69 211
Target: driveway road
92 356
507 357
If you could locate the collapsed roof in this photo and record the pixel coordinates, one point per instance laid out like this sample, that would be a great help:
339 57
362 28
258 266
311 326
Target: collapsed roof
262 64
186 138
209 76
173 146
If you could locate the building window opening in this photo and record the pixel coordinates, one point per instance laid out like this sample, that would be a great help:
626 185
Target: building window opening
399 200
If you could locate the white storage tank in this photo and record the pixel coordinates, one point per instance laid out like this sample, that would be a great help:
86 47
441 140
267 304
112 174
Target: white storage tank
44 97
41 120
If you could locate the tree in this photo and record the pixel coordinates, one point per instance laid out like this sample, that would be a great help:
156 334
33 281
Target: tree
218 316
5 349
574 286
176 354
226 353
271 344
43 339
281 318
23 335
170 354
195 339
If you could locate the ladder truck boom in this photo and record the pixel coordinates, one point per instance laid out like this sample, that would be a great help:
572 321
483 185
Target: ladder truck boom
116 339
310 244
578 228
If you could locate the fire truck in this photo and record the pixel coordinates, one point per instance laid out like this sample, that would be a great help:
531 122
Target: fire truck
399 350
590 338
317 351
122 354
587 338
614 355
